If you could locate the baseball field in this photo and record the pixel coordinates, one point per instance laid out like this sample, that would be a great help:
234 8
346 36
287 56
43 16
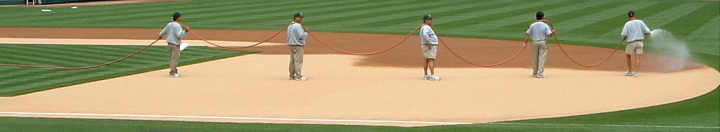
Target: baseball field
248 90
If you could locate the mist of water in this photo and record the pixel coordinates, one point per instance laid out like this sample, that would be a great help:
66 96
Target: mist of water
666 44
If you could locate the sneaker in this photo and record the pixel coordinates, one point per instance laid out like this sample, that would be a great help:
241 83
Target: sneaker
634 74
434 78
427 77
628 73
539 76
301 79
175 75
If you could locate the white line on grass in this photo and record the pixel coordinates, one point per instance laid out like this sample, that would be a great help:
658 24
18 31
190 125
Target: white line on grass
355 121
605 125
233 118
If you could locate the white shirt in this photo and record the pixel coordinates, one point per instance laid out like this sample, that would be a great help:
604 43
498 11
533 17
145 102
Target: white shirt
427 36
635 30
174 33
539 31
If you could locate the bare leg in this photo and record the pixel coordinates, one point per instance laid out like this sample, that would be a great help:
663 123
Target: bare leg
431 64
426 65
629 62
637 62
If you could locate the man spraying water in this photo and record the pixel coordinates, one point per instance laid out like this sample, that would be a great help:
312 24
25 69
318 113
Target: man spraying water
634 31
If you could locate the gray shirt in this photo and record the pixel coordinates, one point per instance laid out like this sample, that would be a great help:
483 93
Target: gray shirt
427 36
634 30
539 31
296 35
174 33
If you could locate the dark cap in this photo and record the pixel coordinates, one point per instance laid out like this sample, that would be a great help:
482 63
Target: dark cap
176 15
427 17
299 15
631 13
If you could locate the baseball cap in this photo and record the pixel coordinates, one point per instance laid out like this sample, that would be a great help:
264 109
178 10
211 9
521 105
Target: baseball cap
298 14
176 15
631 13
426 17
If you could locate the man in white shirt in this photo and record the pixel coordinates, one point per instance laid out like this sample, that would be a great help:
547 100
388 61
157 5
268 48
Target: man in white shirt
634 31
539 31
429 42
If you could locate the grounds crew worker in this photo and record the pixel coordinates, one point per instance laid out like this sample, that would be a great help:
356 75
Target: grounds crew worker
539 31
175 34
296 41
633 31
429 42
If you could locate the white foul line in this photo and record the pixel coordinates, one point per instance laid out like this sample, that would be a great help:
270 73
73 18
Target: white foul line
606 125
233 118
355 121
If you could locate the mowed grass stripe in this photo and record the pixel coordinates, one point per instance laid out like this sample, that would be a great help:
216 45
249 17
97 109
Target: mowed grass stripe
461 20
26 80
332 14
203 16
84 56
523 20
144 57
706 39
440 14
275 15
287 8
602 19
77 59
365 20
85 13
159 14
413 18
524 13
413 15
662 18
685 25
337 21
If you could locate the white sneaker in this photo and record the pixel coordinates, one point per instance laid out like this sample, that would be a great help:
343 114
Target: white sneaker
538 76
427 77
634 74
301 79
628 73
175 75
435 78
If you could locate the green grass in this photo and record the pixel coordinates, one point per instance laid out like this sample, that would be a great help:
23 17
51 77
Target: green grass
19 80
591 23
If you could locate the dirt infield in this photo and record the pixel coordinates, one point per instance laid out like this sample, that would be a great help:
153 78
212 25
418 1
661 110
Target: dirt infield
407 55
384 89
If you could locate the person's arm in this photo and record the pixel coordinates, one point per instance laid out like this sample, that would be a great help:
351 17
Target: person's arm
179 31
624 32
163 32
549 32
301 33
646 30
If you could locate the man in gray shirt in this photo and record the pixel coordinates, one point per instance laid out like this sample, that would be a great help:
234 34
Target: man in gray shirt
633 31
539 31
296 41
175 33
429 42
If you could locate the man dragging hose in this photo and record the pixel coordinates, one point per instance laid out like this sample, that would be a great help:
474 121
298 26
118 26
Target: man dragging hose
633 31
539 31
429 42
175 33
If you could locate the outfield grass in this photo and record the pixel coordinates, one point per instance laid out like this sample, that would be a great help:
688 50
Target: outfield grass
19 80
592 23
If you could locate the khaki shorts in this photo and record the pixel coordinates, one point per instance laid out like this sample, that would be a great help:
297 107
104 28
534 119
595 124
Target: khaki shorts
429 51
634 48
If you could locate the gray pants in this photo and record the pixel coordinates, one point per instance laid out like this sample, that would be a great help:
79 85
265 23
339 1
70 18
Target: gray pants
539 51
296 61
174 51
